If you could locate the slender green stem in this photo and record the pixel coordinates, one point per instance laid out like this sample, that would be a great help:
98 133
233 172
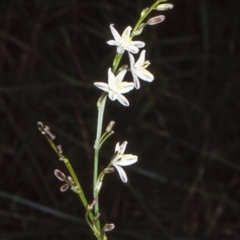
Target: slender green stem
73 175
105 137
75 179
101 106
77 188
116 61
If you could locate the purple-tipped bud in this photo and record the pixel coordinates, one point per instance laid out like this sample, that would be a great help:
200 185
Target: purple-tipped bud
156 20
108 227
64 187
60 175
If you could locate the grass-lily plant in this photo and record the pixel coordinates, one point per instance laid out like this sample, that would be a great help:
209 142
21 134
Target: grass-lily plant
114 89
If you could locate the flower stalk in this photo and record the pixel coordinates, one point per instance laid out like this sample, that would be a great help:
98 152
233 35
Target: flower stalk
114 90
101 106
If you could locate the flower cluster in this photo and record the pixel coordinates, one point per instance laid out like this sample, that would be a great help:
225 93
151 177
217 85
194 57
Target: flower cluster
116 86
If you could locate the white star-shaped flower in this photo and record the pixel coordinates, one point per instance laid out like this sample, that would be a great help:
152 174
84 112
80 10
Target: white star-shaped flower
139 70
122 159
124 42
116 86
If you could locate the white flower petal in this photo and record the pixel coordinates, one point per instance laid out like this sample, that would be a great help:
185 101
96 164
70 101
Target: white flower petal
120 76
123 100
123 146
117 147
111 78
103 86
121 173
145 75
136 81
139 44
141 58
112 42
131 59
126 33
127 159
115 33
131 48
112 95
125 87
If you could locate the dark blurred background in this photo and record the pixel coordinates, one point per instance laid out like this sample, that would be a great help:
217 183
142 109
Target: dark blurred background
184 126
